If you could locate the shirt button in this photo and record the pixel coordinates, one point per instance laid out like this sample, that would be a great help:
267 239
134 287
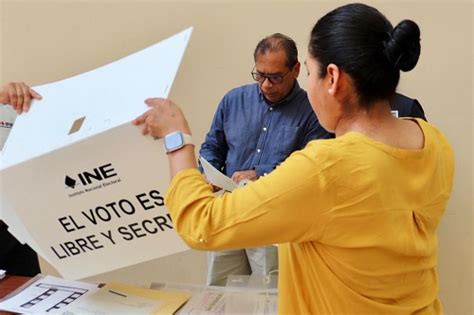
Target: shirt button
264 128
270 108
258 150
265 174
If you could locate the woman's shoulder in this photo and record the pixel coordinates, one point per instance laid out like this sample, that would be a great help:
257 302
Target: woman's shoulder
434 137
339 144
327 151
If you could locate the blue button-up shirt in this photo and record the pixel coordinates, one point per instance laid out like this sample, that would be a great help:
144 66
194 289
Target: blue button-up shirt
249 133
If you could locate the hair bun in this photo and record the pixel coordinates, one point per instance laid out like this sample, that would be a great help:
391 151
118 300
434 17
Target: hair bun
402 48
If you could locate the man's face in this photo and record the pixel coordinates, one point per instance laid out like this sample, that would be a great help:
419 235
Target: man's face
273 64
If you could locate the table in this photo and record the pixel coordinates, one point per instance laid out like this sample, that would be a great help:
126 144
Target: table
9 284
247 291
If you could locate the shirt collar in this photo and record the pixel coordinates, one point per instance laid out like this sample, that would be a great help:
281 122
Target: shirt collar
294 91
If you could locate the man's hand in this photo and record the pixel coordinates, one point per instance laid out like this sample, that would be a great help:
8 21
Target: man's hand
18 95
241 175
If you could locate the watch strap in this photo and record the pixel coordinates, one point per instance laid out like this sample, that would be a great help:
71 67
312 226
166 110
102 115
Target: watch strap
187 139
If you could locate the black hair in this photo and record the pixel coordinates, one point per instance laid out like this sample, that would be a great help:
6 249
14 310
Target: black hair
277 42
363 43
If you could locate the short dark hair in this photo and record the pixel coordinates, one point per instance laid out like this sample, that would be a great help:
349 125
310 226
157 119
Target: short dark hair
362 42
277 42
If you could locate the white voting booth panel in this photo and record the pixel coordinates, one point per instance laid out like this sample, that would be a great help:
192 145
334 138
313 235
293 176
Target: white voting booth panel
79 182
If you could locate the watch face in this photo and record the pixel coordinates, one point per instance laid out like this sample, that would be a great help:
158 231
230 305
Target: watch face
173 141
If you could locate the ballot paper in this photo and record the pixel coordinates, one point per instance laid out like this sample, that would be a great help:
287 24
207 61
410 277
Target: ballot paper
46 294
217 178
78 182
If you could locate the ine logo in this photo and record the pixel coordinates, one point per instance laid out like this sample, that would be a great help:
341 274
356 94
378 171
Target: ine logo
70 182
85 178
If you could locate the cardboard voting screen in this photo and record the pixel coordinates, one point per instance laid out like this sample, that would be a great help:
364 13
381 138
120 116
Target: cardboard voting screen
80 183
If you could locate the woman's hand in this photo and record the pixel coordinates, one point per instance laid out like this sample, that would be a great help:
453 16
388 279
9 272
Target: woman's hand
18 95
163 118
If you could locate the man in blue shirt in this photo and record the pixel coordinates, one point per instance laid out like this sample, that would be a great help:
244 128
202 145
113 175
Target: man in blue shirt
255 128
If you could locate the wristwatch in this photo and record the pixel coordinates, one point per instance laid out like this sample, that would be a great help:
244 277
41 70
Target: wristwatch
176 140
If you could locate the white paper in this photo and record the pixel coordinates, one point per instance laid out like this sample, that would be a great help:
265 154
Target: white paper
47 294
215 177
208 302
225 301
112 302
241 295
251 303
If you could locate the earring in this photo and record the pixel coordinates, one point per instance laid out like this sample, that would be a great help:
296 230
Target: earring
330 91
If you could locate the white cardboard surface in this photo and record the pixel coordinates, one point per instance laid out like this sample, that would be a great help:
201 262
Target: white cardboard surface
107 96
110 213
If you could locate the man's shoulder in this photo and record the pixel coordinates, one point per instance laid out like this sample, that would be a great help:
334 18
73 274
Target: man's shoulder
244 94
406 106
243 89
300 96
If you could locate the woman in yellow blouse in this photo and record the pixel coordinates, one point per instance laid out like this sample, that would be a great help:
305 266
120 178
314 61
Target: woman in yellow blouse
355 216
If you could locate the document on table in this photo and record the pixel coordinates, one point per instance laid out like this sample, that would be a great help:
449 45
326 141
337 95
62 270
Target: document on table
251 303
213 302
117 298
208 302
46 294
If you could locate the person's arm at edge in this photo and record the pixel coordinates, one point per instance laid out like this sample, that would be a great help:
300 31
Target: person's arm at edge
18 95
254 215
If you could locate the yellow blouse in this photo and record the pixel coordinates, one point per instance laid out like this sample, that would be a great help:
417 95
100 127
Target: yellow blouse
355 219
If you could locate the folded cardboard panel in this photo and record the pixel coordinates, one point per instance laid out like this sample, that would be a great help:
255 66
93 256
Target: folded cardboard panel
79 182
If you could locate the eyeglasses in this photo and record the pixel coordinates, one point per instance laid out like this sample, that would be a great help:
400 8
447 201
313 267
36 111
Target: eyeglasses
273 78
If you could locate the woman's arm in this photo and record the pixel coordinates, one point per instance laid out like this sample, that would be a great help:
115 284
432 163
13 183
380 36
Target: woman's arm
283 206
